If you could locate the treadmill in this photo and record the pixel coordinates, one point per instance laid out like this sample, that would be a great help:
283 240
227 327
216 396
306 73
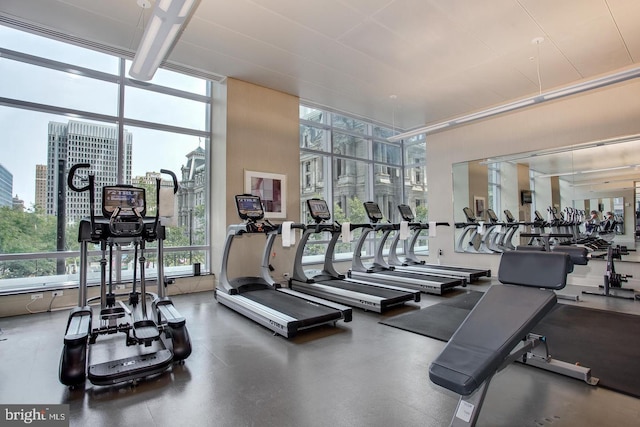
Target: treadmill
411 262
284 311
381 272
330 284
470 231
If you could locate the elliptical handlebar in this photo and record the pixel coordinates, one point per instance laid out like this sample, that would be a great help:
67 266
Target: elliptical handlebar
72 174
173 177
158 185
90 187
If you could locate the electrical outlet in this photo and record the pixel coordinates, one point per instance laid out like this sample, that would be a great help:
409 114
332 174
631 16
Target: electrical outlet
56 293
36 296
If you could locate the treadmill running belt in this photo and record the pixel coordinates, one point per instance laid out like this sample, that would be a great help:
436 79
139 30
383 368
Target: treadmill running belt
389 294
418 276
450 268
305 312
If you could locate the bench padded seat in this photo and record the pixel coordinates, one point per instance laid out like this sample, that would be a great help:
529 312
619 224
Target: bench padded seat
501 319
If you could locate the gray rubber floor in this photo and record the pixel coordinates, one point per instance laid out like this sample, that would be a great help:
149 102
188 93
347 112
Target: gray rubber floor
360 373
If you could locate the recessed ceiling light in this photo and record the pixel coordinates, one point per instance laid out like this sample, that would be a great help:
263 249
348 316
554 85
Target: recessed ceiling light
537 40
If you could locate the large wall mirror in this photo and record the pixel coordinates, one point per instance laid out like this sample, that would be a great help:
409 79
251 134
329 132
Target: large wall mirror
505 195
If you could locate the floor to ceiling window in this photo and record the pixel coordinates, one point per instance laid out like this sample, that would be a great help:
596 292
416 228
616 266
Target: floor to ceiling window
63 104
348 161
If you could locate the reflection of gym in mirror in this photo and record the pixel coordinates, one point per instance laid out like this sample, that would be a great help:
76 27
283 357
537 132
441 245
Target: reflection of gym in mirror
580 193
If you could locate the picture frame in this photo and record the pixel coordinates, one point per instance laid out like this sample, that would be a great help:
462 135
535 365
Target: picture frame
526 197
479 204
272 190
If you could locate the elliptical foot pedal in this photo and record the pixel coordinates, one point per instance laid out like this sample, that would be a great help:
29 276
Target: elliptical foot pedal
170 313
130 368
145 331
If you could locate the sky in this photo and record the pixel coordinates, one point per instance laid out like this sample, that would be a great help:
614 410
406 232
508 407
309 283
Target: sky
23 133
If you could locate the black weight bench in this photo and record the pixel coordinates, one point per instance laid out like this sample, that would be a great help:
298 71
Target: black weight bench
497 332
579 254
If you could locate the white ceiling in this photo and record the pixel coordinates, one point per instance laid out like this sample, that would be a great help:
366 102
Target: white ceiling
405 63
440 58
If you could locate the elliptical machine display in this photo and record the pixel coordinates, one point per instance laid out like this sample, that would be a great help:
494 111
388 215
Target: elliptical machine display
123 223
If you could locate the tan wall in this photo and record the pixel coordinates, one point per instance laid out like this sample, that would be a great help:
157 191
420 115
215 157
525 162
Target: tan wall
478 187
262 131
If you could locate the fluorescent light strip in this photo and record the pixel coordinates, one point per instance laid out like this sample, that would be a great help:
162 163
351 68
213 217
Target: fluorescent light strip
592 84
167 20
416 132
615 168
494 111
551 175
612 181
608 169
512 106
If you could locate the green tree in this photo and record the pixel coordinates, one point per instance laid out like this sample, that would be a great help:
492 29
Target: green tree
356 215
422 214
25 232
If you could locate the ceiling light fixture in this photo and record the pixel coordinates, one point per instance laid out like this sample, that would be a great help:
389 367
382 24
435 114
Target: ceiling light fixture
594 183
597 83
615 168
167 21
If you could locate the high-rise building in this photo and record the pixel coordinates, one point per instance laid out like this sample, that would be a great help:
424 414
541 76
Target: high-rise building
80 142
6 187
41 186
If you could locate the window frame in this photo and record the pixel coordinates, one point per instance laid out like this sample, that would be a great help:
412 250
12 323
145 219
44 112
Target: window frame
43 283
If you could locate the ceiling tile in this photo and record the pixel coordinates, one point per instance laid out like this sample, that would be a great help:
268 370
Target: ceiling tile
329 17
626 15
442 58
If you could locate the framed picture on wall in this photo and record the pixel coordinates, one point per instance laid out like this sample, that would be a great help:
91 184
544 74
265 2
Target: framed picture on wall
479 204
271 188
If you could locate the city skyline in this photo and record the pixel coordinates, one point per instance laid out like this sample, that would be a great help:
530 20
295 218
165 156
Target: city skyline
25 130
24 180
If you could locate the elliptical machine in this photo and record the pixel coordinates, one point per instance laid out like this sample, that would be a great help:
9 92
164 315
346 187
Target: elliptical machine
123 222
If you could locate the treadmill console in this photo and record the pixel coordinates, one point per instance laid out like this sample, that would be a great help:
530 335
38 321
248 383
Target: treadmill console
406 213
373 211
249 207
469 214
319 210
126 198
492 215
509 215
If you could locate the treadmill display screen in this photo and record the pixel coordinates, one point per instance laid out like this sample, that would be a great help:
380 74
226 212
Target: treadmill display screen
373 211
318 209
509 215
123 197
406 213
469 214
249 207
492 215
